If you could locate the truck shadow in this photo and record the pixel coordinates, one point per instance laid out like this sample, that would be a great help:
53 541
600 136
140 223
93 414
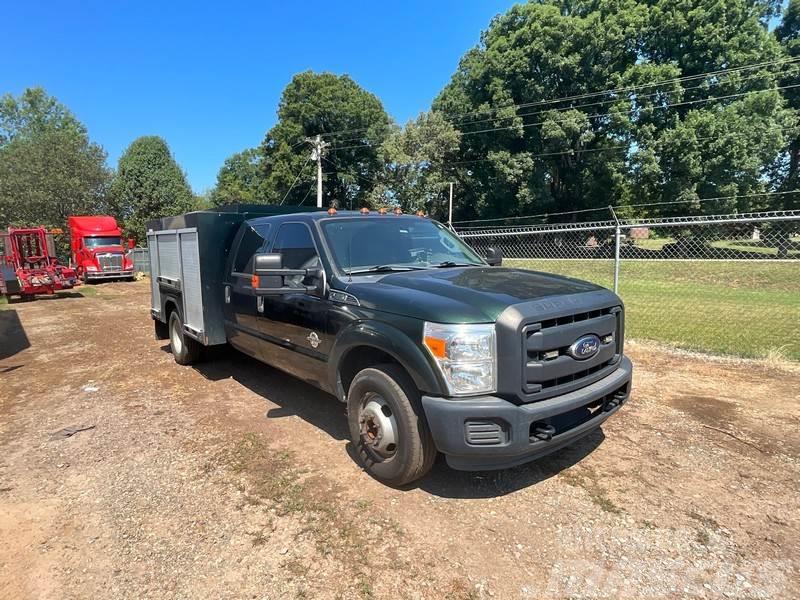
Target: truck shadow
12 333
293 396
297 398
445 482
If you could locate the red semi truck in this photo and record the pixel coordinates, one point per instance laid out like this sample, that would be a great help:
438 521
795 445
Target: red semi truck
97 249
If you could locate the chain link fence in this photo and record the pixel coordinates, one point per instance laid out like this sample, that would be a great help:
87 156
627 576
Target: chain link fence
723 284
141 260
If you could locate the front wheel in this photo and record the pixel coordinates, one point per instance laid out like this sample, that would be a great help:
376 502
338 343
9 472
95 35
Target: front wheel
387 425
185 349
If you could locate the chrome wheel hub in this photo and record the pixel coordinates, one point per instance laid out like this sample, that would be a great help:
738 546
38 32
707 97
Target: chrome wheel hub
378 426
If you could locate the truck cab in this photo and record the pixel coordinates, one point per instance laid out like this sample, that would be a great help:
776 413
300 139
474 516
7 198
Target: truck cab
97 248
431 348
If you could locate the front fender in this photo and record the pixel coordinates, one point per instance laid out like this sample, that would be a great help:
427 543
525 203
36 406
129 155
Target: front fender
394 342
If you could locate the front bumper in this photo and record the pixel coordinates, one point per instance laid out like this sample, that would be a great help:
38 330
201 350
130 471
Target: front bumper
521 433
108 274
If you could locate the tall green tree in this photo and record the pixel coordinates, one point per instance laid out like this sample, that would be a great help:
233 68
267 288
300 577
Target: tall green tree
49 169
416 172
788 34
536 137
240 179
149 184
348 117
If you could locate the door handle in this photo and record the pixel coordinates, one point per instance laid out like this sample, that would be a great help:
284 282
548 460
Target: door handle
227 294
260 303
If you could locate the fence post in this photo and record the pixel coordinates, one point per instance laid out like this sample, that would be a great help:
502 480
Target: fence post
616 259
616 250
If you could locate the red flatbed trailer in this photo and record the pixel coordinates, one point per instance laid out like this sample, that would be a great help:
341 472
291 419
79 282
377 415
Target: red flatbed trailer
29 266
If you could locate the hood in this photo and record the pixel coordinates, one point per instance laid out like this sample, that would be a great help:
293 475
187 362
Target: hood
459 295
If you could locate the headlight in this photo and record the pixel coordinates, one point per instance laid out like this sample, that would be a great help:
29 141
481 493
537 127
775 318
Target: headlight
466 356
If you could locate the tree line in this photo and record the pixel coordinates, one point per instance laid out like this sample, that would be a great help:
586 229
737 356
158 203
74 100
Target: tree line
656 107
683 106
50 169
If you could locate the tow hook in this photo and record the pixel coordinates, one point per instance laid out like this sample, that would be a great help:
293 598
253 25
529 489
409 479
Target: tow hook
613 402
543 431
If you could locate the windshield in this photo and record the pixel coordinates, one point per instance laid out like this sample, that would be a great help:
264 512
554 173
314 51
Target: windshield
95 242
363 244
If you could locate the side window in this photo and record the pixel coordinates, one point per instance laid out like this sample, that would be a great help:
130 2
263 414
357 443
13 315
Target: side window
252 240
296 246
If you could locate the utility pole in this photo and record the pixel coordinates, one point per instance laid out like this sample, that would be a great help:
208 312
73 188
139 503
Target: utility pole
450 212
319 148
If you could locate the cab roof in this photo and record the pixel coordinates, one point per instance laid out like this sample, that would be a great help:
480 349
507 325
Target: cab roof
321 215
94 224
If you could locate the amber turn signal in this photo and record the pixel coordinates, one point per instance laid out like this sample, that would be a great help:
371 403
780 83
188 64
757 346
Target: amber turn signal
437 347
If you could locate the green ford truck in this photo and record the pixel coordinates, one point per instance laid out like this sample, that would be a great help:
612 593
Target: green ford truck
432 347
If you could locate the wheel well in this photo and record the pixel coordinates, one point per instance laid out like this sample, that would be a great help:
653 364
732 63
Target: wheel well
170 305
360 358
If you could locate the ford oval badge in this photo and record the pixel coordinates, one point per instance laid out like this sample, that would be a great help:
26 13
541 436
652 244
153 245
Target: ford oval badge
585 347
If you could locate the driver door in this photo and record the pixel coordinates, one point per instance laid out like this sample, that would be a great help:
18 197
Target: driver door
294 325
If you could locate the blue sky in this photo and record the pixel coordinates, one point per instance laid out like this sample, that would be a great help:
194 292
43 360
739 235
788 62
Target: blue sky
207 77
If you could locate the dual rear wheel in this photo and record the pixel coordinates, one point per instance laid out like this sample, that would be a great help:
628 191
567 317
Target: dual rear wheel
185 349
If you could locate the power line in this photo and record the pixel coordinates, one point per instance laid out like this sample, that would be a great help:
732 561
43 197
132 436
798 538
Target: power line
600 102
300 172
673 105
310 189
369 144
340 170
581 151
563 153
631 88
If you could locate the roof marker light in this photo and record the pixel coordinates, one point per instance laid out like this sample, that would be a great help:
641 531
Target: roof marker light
364 211
398 211
382 210
331 211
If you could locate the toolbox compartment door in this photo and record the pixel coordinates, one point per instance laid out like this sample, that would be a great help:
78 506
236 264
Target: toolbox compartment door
155 293
190 280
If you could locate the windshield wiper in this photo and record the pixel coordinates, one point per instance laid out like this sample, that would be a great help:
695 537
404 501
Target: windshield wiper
385 269
449 263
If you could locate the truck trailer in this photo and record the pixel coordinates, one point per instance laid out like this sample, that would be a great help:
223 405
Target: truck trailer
28 264
97 248
432 348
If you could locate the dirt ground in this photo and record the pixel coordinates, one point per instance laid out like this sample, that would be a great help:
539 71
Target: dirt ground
233 480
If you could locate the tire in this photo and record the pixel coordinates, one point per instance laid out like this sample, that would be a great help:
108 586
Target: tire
185 350
387 426
161 330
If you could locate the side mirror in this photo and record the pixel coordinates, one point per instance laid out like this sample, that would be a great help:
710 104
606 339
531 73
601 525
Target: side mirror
494 256
131 243
262 263
268 277
264 271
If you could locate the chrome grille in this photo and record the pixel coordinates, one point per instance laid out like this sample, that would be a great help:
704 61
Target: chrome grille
110 262
548 367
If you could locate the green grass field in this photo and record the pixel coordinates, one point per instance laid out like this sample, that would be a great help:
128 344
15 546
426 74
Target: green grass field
749 309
